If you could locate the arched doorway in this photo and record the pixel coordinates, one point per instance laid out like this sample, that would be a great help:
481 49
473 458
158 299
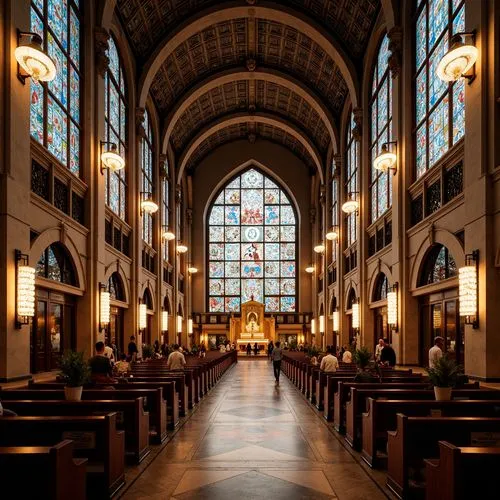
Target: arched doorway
115 330
379 301
148 331
54 327
439 309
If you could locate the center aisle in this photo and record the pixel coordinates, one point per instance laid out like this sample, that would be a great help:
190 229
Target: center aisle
249 439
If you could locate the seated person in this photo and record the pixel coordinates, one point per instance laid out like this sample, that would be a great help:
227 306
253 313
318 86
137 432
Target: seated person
123 366
314 361
347 357
329 364
176 360
100 365
222 348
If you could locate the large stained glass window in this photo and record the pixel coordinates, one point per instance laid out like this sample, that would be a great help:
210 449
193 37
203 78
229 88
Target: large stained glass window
440 107
55 105
351 181
147 177
381 124
115 116
252 247
165 208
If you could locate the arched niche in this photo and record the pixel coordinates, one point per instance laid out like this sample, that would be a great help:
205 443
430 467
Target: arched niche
438 265
380 288
117 269
351 298
147 298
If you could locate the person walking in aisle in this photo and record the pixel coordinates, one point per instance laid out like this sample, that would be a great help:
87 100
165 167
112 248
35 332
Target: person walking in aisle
270 348
277 356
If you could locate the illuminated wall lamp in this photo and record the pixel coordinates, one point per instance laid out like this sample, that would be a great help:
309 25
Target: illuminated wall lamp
104 307
181 248
320 248
351 205
190 326
392 307
192 270
179 324
25 290
460 59
164 321
110 157
309 269
32 59
335 318
333 234
468 289
387 159
143 316
322 324
313 326
148 205
167 235
355 315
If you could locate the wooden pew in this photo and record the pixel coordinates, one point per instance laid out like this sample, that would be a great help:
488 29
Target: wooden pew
462 472
358 401
154 403
416 438
131 418
381 416
94 437
168 388
48 472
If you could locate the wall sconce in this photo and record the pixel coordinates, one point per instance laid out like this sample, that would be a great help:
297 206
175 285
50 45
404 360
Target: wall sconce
459 59
104 307
143 316
110 157
392 307
179 324
352 204
25 290
386 160
32 59
313 326
190 326
322 324
166 234
320 248
148 205
336 321
309 269
355 315
468 289
333 234
192 270
181 248
164 321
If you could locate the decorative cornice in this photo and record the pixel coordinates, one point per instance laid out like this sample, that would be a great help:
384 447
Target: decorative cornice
101 38
251 65
395 35
357 131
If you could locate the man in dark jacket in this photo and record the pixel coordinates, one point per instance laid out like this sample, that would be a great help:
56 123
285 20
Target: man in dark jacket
388 356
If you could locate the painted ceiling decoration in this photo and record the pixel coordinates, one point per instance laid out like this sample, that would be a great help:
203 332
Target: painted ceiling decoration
293 60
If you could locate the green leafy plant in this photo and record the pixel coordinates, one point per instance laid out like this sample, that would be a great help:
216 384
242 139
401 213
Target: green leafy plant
148 351
446 372
75 371
313 351
362 357
293 345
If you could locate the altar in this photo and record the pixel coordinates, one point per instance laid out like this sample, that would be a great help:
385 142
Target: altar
252 327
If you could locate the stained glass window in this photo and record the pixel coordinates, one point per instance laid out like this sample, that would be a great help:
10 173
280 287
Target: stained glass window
252 250
165 210
440 107
147 177
115 116
351 180
381 125
55 105
439 265
56 264
335 208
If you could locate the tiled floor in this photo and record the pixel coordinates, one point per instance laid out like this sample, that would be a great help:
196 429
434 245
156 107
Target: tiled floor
251 440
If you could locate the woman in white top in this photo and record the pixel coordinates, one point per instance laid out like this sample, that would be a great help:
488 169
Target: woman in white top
347 357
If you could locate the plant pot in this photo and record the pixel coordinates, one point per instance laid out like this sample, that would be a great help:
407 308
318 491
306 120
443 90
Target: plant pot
442 393
73 393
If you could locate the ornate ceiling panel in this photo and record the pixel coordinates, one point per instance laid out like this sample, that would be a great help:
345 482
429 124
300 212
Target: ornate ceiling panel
243 131
284 47
219 101
351 20
220 45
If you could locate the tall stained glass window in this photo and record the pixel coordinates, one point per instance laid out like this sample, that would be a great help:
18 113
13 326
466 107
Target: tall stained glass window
55 105
115 116
381 124
351 180
252 248
335 208
440 106
147 176
165 208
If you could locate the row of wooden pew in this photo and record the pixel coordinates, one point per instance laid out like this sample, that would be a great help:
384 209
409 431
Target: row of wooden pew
426 446
79 448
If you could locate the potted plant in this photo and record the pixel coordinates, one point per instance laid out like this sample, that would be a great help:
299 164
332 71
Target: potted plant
148 351
366 369
444 376
75 372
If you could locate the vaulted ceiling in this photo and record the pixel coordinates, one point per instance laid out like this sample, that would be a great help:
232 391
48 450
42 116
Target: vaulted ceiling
293 61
